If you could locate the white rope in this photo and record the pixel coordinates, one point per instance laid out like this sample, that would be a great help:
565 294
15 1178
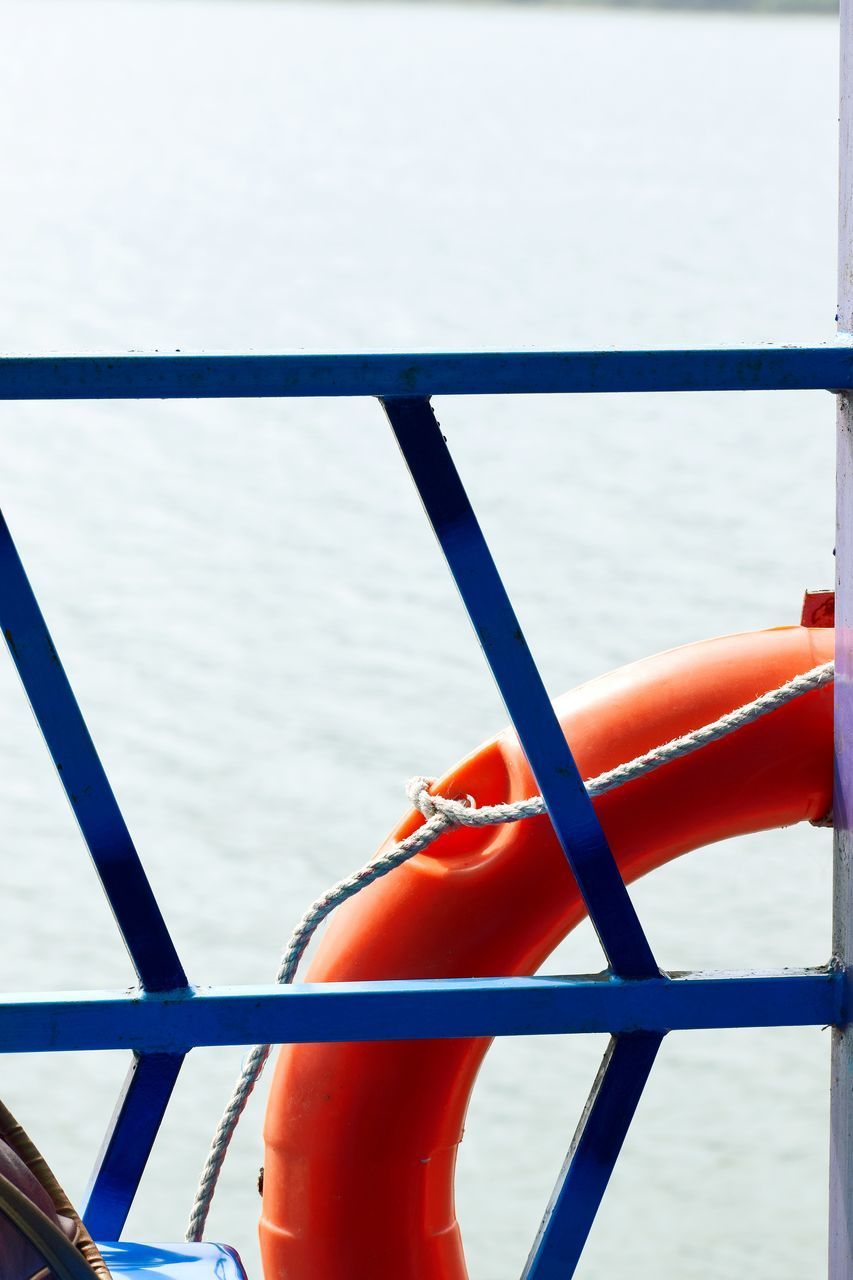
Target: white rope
441 815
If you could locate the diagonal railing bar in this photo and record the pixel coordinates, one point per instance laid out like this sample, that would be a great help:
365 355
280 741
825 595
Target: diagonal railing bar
140 1108
83 778
122 1159
584 1177
483 593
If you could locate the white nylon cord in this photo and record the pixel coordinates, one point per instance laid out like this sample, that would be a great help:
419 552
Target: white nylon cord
441 815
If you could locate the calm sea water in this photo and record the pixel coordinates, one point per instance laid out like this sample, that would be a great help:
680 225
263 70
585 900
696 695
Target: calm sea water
246 595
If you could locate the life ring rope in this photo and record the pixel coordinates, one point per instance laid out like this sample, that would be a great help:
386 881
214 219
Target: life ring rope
442 814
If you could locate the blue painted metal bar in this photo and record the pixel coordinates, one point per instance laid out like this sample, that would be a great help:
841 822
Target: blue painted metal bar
591 1159
83 778
423 374
414 1010
484 596
127 1146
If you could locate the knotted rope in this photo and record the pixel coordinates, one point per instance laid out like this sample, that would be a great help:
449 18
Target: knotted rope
441 814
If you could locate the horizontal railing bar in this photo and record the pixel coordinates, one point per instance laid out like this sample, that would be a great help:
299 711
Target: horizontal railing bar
171 1022
199 376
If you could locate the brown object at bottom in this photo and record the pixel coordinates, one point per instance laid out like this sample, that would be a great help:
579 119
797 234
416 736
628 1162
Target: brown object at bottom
23 1146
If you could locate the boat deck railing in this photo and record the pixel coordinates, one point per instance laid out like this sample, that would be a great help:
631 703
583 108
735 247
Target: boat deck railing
633 999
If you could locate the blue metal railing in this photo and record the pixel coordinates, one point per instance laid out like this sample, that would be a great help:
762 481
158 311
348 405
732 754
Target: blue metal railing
633 1000
189 377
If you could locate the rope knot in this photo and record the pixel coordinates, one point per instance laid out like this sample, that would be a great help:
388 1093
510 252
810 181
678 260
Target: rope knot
460 812
417 791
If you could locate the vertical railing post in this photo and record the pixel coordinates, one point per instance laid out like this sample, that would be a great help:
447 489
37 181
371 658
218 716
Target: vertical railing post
841 1104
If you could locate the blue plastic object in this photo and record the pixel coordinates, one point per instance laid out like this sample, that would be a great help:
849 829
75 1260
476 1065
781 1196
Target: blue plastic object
172 1261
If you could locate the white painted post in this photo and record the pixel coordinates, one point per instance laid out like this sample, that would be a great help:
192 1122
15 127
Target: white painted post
841 1103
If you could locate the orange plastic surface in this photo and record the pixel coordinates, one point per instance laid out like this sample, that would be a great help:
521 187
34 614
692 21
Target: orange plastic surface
361 1139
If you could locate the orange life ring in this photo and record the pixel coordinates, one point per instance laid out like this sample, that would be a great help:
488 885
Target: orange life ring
361 1139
